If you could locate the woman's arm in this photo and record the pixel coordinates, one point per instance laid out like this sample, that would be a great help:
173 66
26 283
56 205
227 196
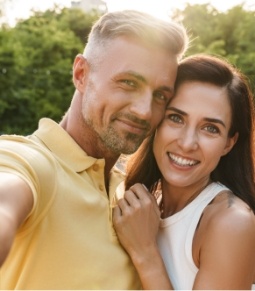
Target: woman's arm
136 221
226 240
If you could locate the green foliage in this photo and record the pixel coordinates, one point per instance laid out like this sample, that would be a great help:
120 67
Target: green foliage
228 34
79 22
36 56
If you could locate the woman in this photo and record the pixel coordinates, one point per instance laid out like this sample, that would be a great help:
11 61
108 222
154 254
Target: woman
200 167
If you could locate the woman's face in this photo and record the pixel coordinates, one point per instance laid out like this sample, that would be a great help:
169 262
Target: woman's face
194 134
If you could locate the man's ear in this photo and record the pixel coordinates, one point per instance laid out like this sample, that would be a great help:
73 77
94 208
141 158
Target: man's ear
80 71
230 143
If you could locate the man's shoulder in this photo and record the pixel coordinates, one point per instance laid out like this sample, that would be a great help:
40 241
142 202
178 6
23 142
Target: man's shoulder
23 151
14 138
18 143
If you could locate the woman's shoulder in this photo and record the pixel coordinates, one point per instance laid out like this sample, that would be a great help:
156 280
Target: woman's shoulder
227 211
224 225
227 203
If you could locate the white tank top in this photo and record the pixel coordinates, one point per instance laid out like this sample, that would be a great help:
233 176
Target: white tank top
175 238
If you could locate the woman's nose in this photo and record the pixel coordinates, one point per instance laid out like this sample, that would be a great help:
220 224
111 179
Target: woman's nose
188 140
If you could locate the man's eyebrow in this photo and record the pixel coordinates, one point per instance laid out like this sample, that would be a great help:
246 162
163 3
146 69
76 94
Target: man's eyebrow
208 119
142 79
167 88
135 75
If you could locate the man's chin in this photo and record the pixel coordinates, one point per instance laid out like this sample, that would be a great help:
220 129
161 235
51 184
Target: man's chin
130 148
120 143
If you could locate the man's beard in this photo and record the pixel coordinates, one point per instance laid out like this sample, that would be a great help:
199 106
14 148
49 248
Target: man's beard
126 143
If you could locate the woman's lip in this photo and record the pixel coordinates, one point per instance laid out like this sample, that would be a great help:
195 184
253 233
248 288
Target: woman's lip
182 160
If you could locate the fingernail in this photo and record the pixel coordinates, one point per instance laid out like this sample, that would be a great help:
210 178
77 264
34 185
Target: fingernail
145 187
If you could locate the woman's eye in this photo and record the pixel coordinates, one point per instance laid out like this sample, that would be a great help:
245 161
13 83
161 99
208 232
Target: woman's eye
175 118
212 129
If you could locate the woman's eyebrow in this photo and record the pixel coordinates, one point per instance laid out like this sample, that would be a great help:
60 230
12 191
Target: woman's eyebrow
215 120
208 119
176 110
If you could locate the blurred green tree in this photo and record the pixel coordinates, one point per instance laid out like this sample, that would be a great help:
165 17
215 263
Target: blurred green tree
36 56
227 34
36 67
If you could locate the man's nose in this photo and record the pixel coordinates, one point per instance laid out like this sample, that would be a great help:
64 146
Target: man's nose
141 105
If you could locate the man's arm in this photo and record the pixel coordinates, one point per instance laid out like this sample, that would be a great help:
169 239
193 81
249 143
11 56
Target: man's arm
16 201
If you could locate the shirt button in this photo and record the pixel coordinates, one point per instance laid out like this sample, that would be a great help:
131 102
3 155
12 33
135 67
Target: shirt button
95 167
101 187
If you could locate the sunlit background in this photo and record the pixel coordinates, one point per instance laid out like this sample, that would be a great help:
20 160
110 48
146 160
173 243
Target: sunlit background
161 8
40 38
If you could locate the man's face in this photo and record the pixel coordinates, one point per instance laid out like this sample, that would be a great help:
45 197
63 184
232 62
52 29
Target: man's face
125 97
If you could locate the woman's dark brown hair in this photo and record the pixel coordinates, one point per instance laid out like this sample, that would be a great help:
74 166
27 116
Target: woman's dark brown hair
236 169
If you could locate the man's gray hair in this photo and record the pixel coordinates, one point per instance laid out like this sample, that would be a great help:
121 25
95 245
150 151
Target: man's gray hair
167 35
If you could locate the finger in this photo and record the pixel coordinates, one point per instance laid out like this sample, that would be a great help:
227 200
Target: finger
116 212
117 218
123 205
141 191
156 206
145 187
132 199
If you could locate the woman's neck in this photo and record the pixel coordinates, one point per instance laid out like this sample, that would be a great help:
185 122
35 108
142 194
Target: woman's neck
175 198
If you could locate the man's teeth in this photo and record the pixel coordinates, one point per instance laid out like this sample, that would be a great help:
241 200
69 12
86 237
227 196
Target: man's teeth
182 162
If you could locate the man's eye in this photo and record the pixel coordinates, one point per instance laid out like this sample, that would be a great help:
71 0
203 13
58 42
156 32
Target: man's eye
129 82
160 96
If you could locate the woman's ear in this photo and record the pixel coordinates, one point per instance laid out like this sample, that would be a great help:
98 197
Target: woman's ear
230 143
80 71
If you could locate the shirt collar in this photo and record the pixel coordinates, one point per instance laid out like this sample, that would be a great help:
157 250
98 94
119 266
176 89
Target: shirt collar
58 141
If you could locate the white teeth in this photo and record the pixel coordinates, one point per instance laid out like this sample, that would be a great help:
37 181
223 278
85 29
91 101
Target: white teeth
182 162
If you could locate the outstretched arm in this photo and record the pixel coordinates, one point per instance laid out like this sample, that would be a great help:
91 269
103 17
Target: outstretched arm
16 201
136 220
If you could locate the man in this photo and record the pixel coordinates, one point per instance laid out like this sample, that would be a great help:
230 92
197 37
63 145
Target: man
57 185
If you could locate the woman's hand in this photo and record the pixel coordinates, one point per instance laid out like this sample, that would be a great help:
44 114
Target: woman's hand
136 220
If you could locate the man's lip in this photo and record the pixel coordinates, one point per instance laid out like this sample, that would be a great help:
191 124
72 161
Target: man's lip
133 126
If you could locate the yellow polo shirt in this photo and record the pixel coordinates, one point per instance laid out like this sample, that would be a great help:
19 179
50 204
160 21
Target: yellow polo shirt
68 240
